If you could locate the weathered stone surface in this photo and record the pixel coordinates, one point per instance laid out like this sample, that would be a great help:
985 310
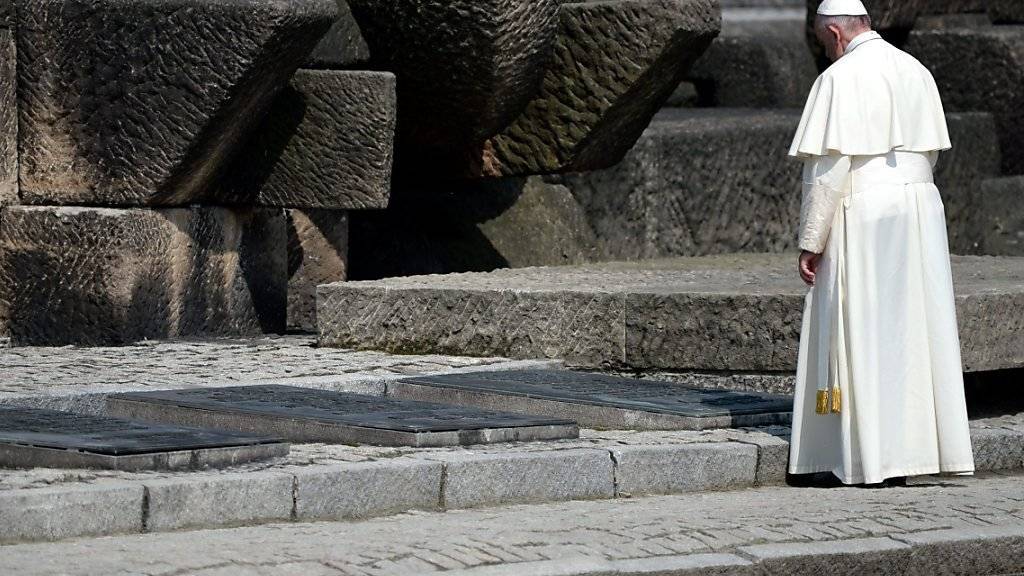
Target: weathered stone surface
851 556
955 6
368 489
227 499
104 275
467 68
605 82
1001 216
727 312
8 118
717 181
996 54
1006 11
58 513
317 254
325 143
644 470
142 103
343 46
479 225
760 60
489 479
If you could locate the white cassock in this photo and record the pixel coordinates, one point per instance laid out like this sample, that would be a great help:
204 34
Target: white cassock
879 386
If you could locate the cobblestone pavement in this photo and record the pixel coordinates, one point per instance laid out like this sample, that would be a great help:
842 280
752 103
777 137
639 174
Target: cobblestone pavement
567 534
181 364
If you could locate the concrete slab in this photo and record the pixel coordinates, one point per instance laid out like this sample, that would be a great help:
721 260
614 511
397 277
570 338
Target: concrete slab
36 438
600 401
731 312
305 415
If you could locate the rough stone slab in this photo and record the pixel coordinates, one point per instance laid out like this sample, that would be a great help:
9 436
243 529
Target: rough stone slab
487 479
1002 216
33 438
471 225
467 69
325 143
996 449
715 181
8 114
317 254
682 565
963 550
772 457
605 81
229 499
305 415
996 55
368 489
58 513
599 401
642 315
71 275
855 556
759 61
1006 11
642 470
343 46
142 103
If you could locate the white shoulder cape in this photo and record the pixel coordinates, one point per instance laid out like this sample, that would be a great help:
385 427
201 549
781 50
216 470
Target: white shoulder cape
874 99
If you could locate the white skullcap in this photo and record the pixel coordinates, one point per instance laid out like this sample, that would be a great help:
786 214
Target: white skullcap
842 8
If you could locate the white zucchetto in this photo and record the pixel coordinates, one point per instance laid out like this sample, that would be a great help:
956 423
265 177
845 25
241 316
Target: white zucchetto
842 8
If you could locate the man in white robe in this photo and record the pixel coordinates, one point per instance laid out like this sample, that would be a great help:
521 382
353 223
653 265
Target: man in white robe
879 387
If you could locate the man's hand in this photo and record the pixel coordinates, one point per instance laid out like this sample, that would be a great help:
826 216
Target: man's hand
808 266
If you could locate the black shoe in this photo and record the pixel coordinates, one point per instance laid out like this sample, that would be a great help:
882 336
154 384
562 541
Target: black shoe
895 481
813 480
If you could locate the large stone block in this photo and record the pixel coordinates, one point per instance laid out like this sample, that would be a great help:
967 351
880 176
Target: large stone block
112 276
1006 11
250 498
989 83
614 64
467 68
645 470
317 254
367 489
1001 216
343 46
59 513
713 181
142 103
759 61
8 119
477 225
325 143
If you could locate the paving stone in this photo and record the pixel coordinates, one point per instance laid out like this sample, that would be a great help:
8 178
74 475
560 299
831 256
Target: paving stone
963 550
304 415
995 449
1006 11
1001 216
467 68
51 439
857 556
760 61
317 254
55 514
229 499
603 85
599 401
641 470
343 46
712 181
367 489
8 116
988 84
143 104
772 454
472 480
640 315
325 143
114 276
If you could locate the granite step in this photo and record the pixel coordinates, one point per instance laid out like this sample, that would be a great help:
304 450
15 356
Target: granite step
735 313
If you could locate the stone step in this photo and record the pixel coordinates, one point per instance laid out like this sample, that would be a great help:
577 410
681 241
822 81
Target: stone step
600 401
737 312
319 482
304 415
38 438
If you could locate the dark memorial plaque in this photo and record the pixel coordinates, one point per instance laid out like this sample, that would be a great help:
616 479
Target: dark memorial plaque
310 415
33 437
602 401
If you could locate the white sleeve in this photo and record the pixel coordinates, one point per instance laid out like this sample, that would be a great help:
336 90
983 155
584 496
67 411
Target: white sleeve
825 178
